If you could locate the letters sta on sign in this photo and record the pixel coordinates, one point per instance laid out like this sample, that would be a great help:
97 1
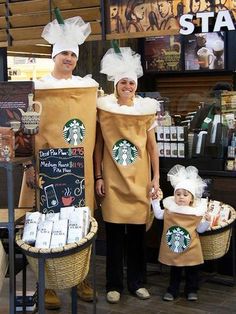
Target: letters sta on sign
223 19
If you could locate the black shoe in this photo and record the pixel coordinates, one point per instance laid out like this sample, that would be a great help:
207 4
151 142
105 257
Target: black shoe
168 297
192 296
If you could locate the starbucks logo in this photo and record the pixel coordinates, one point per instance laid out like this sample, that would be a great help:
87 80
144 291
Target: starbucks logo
74 132
124 152
178 239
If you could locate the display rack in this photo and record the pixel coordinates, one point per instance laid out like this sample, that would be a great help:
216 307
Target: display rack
10 220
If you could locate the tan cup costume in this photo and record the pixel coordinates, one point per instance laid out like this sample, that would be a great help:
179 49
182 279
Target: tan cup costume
59 107
180 243
126 165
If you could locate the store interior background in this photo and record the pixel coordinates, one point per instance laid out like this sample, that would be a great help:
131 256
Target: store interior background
184 91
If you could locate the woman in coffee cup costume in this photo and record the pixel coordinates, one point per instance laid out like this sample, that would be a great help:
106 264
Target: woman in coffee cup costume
180 244
125 147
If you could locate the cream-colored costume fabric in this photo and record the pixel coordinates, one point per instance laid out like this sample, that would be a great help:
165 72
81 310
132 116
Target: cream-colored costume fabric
59 107
126 164
180 243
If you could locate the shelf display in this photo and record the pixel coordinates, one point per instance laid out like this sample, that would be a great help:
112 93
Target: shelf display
228 109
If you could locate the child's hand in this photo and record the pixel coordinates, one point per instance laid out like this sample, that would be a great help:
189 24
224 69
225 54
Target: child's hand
157 195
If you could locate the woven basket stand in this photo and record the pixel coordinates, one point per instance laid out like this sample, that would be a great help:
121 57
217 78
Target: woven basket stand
64 267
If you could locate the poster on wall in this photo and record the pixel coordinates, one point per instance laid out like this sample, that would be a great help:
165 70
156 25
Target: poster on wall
205 51
163 53
61 178
129 16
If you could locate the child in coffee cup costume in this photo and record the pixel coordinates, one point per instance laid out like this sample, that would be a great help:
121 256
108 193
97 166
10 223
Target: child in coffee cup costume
125 147
180 244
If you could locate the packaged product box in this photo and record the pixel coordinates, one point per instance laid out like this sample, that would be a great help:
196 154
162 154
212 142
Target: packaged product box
173 133
160 133
7 144
167 149
181 150
160 149
13 97
173 150
166 133
182 133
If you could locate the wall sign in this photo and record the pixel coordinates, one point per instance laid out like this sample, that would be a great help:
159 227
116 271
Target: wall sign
61 178
223 19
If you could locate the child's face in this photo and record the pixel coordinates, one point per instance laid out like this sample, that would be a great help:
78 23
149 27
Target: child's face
183 197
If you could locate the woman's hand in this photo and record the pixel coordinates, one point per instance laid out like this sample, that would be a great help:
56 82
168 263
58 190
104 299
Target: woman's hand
99 187
153 189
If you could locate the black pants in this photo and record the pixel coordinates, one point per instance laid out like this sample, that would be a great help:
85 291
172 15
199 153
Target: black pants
191 279
125 241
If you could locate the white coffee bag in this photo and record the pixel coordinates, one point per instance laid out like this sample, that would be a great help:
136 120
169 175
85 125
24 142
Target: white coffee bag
75 227
44 233
30 227
59 233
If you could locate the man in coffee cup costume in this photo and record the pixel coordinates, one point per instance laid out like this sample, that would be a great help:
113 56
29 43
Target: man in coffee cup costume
65 97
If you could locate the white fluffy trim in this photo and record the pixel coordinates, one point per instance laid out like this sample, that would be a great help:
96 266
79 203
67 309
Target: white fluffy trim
142 106
199 209
49 82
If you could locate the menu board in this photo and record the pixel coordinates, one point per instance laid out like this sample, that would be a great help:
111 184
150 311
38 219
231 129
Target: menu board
61 178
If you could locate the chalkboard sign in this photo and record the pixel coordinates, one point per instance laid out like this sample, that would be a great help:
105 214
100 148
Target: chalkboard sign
61 178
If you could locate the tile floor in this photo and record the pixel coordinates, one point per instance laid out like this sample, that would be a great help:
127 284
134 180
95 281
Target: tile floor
213 298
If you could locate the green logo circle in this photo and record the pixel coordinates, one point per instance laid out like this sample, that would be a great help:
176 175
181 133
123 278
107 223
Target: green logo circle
178 239
124 152
74 132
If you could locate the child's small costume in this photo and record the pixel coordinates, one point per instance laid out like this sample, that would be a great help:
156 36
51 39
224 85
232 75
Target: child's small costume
180 243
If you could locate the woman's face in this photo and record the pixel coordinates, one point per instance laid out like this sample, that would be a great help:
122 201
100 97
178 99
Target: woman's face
126 88
139 11
114 11
183 197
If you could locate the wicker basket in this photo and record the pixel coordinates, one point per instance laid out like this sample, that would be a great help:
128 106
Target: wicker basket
65 267
215 242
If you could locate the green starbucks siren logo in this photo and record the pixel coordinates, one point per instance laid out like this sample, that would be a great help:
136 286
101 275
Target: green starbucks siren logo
178 239
124 152
74 132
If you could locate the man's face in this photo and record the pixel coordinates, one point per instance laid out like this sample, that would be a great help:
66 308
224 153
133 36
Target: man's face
65 61
195 6
233 4
114 11
220 2
164 7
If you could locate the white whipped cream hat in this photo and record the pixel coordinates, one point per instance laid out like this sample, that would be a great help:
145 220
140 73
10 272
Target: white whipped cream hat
188 179
125 64
67 36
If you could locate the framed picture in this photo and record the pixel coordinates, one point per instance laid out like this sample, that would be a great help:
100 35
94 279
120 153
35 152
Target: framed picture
205 52
163 53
